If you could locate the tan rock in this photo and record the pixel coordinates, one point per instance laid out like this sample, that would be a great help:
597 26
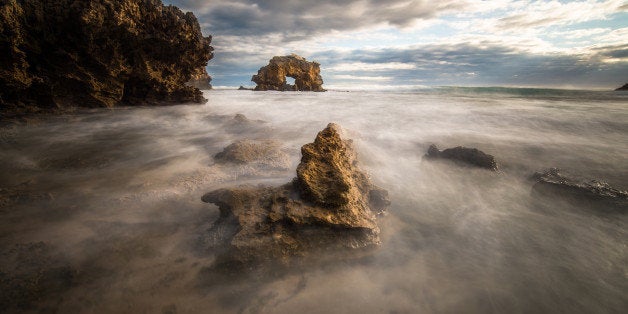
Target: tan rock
306 75
330 206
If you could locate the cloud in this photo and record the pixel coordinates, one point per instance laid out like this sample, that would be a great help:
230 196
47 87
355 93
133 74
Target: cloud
305 18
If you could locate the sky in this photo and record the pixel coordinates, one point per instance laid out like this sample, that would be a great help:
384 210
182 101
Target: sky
396 44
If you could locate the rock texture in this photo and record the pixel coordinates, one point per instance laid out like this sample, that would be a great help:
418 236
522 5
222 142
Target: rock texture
56 54
463 155
265 154
331 205
200 79
306 75
552 183
625 87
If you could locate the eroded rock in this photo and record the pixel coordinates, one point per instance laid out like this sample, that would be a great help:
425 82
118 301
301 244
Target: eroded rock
552 183
463 155
200 79
56 54
306 75
331 205
264 154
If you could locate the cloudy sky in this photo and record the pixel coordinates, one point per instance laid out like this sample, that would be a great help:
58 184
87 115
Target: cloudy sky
407 43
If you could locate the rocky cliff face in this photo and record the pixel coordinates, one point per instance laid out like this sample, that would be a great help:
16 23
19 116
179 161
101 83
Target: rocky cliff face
331 206
200 79
100 53
306 75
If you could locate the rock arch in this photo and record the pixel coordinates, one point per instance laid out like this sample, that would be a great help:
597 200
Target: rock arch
306 75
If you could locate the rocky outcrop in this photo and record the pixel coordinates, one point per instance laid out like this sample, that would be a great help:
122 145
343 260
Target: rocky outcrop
306 75
331 205
265 154
56 54
625 87
200 79
463 155
552 183
244 88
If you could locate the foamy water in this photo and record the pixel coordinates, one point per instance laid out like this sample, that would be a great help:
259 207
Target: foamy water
115 194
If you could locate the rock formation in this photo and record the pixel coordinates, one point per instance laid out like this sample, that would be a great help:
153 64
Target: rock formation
306 75
56 54
464 155
330 206
200 79
625 87
264 154
552 183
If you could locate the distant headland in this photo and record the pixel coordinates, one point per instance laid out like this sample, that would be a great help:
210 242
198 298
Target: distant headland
625 87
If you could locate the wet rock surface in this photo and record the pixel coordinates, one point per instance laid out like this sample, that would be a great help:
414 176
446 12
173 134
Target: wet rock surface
330 206
265 154
464 156
30 274
553 183
306 75
58 54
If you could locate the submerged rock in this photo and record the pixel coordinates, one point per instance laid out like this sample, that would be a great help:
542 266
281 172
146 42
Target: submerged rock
552 183
57 54
468 156
265 154
306 75
30 274
331 205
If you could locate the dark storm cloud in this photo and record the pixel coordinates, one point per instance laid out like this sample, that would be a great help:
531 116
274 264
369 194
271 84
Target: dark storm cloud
308 17
481 64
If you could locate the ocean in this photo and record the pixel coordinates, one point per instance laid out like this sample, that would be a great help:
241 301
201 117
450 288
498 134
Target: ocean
113 197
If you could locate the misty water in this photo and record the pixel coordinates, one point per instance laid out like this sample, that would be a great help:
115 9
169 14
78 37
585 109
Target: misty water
115 196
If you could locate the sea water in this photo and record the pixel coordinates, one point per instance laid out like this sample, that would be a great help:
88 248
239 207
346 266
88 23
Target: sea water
115 194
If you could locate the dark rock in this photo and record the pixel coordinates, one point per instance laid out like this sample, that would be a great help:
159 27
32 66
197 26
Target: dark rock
306 75
331 205
464 155
552 183
625 87
31 273
244 88
58 54
265 154
200 79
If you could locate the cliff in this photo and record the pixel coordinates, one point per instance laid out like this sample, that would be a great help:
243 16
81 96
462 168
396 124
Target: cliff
56 54
306 75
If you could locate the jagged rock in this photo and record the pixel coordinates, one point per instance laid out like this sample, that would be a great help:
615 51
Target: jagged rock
464 155
244 88
311 214
200 79
264 154
552 183
56 54
625 87
306 75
